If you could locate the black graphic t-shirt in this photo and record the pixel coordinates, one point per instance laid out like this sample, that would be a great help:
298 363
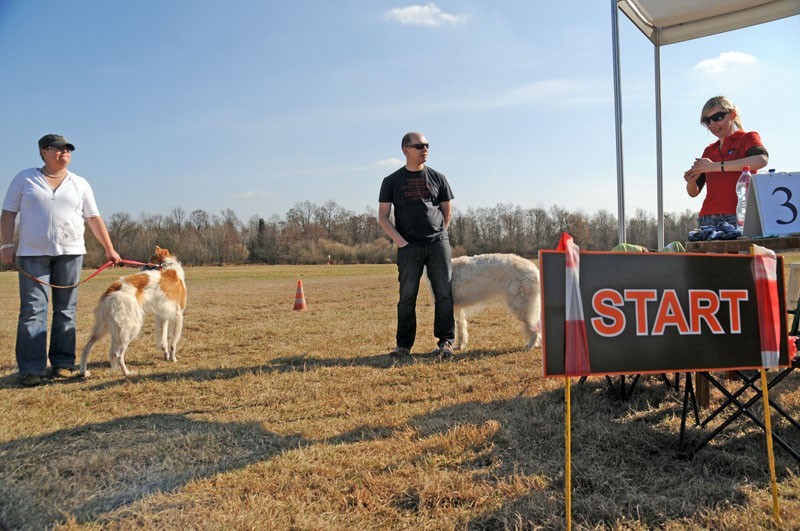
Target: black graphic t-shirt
415 196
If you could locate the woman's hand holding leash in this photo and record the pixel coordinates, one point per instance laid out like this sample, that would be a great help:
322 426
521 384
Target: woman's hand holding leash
113 256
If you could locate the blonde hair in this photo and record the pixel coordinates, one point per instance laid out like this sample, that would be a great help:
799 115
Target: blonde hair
726 104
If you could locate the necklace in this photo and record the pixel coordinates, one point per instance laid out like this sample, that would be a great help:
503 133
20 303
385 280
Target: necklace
52 176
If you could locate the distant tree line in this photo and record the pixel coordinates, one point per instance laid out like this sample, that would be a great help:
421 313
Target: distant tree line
319 234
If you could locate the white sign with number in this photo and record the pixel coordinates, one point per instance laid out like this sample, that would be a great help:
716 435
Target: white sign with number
773 205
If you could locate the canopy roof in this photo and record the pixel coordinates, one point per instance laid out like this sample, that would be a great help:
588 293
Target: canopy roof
671 21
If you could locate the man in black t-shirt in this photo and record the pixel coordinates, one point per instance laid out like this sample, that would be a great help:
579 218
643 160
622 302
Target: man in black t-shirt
421 199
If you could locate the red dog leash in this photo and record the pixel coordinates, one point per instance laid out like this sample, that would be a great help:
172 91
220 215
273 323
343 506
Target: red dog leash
97 272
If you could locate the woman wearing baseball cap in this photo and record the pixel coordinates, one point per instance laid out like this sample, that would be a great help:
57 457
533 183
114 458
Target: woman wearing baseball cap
52 204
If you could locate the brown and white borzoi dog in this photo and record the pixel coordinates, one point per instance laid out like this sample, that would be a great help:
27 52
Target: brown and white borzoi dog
481 278
121 310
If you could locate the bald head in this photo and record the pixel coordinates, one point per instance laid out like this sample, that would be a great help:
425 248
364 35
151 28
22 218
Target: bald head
411 137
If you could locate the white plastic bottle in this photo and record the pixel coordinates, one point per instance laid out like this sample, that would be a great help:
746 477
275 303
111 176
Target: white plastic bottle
741 193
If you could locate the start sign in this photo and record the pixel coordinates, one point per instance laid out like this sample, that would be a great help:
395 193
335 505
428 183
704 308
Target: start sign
658 312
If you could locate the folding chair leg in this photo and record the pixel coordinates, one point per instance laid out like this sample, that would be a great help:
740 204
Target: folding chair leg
631 386
688 393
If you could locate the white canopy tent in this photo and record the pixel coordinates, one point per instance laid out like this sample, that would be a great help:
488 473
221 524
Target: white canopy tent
667 22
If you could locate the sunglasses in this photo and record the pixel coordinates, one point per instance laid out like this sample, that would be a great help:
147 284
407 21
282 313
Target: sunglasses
716 117
419 146
60 149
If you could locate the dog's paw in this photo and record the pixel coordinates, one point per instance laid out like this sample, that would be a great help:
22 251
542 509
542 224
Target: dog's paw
130 374
85 374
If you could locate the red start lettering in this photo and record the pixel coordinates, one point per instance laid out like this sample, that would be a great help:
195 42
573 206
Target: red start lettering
704 306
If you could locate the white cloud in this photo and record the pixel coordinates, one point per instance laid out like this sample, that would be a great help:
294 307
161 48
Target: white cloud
427 15
327 171
728 63
559 91
549 89
253 194
390 162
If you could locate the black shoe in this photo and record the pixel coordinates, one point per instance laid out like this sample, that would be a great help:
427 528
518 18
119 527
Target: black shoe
30 380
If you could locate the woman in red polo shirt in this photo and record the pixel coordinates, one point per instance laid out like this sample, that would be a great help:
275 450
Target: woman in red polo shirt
722 162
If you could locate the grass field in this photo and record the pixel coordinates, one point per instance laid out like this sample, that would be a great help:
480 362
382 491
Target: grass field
276 419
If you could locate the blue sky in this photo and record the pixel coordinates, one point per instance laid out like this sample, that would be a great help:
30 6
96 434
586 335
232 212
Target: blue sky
255 106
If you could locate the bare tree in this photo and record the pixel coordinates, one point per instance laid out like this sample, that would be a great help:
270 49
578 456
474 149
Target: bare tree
177 219
324 216
301 215
605 231
544 234
124 233
308 233
641 229
512 222
199 220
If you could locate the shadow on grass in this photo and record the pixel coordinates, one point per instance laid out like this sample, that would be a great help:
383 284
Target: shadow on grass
623 468
90 470
625 463
299 363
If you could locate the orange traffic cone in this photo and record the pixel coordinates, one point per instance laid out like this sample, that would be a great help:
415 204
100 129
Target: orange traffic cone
299 298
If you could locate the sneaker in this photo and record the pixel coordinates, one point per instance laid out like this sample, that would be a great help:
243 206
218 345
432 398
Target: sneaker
400 352
30 380
61 372
445 351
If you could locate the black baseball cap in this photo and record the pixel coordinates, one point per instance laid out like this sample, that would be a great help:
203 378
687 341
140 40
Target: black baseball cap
55 141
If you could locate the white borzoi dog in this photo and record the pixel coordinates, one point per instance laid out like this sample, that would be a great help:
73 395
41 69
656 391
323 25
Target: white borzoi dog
123 305
479 279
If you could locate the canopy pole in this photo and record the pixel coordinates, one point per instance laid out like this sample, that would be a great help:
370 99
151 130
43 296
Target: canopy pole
618 121
659 154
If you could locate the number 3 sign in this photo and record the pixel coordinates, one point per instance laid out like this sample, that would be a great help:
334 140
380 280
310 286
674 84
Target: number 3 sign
773 205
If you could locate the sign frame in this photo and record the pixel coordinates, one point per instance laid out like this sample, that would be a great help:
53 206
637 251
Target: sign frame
643 347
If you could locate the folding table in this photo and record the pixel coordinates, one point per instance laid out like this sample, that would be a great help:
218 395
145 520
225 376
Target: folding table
747 383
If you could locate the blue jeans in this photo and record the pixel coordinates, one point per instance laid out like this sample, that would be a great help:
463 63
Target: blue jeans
32 353
714 219
410 261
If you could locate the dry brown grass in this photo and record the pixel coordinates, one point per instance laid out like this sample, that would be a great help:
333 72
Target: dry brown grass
299 420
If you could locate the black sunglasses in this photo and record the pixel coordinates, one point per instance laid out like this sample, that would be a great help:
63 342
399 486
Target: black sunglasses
716 117
419 146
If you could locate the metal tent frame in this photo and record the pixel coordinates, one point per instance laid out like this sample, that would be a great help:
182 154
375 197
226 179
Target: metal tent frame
667 22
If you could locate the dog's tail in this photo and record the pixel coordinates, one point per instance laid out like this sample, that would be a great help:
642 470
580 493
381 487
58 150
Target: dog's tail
99 330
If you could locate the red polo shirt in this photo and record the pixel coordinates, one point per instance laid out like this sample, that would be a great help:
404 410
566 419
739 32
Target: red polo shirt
721 191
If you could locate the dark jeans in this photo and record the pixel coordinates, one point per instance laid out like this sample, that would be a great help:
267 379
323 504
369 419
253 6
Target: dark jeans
32 352
714 219
411 259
